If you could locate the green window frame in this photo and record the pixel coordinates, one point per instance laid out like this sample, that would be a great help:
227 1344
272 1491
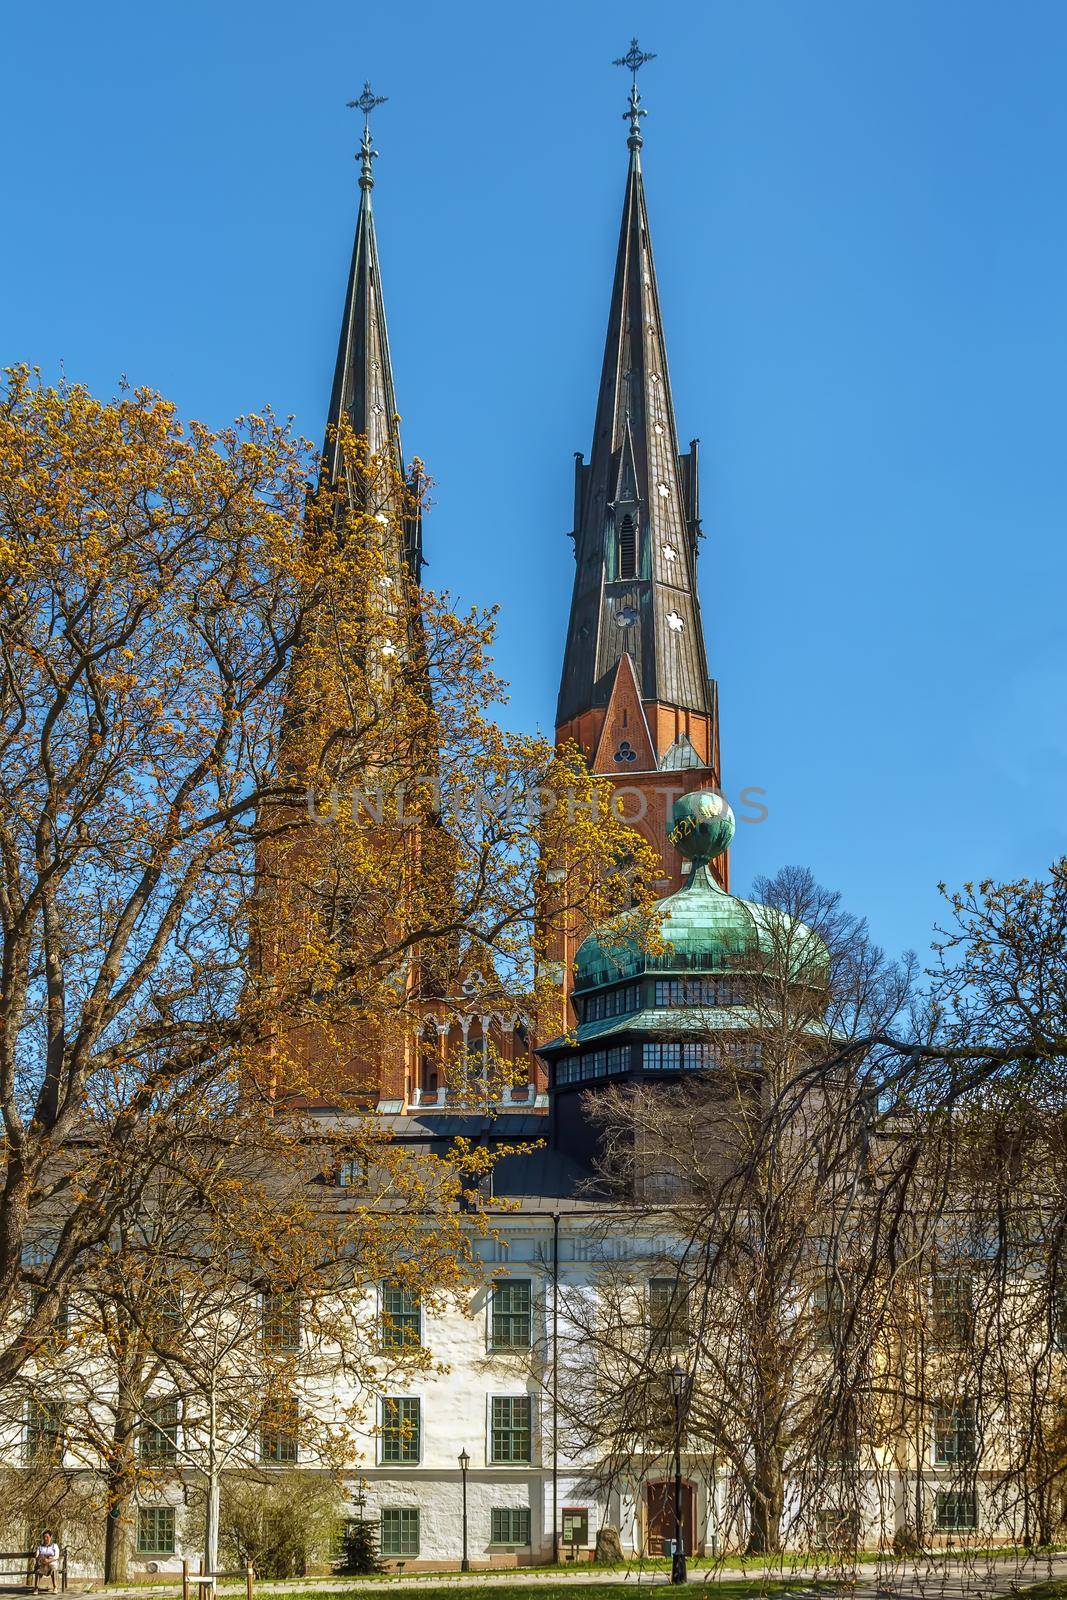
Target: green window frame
833 1303
511 1325
952 1307
158 1439
168 1309
511 1429
399 1531
61 1324
44 1432
955 1435
956 1511
280 1313
401 1431
509 1525
401 1317
155 1530
278 1447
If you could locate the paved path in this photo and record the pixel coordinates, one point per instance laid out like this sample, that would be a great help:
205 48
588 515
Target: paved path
940 1578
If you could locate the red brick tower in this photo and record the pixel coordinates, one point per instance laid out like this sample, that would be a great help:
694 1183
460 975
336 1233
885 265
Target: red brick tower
635 691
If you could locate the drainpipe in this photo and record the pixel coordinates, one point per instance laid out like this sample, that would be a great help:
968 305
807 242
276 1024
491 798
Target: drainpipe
555 1388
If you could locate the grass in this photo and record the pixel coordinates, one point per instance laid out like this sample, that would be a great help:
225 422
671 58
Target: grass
728 1589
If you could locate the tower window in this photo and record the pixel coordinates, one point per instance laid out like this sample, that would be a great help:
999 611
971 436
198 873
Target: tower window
627 548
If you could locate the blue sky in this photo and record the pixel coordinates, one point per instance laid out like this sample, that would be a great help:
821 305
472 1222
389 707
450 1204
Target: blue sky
860 233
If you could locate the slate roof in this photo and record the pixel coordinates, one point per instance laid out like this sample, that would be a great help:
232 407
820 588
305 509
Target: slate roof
635 469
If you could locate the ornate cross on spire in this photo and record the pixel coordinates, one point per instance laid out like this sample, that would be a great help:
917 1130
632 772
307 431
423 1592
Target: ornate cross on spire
634 59
366 103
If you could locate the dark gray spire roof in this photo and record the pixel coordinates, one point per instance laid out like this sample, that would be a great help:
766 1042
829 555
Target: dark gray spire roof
363 386
363 378
642 603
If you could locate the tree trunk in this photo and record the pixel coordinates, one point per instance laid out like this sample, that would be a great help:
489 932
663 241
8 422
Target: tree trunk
766 1503
121 1481
211 1510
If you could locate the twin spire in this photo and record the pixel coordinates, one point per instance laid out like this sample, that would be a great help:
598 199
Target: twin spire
636 502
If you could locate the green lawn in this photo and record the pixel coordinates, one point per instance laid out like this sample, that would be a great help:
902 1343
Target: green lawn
728 1589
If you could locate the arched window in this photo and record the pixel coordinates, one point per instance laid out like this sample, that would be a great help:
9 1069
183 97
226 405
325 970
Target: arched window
627 547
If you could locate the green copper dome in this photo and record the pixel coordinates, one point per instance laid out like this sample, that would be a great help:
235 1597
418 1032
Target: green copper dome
703 928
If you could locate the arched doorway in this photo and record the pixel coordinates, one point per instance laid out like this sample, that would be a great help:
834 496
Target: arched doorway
659 1516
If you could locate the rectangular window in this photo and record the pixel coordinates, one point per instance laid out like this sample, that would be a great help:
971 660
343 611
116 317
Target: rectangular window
956 1512
281 1321
623 1001
510 1525
159 1432
952 1307
512 1314
401 1432
511 1430
955 1435
277 1444
351 1174
155 1531
400 1531
401 1317
61 1325
831 1305
700 992
576 1525
44 1432
168 1309
661 1057
668 1311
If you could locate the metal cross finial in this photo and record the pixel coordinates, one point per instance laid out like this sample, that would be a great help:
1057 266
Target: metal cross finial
366 103
634 59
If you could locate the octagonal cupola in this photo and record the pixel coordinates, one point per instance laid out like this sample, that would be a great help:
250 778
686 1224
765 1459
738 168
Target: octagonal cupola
679 1000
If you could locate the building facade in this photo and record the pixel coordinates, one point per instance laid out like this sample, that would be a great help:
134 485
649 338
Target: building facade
504 1390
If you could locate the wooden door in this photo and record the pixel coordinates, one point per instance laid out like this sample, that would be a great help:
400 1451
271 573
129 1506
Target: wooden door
659 1516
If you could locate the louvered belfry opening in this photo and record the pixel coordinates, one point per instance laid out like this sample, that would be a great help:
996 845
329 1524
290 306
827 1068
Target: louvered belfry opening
627 547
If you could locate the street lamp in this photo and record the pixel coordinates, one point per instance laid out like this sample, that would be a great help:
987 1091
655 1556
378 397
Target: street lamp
679 1385
464 1463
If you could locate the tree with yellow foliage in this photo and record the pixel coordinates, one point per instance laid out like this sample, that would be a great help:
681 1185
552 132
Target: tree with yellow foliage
197 655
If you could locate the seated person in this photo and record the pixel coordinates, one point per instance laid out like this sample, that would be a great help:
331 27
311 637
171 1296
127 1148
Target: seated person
46 1560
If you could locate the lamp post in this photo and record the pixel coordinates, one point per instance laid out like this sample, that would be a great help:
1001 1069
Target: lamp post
679 1384
464 1463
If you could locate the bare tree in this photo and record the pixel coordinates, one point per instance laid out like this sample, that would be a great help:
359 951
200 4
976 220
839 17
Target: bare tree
750 1218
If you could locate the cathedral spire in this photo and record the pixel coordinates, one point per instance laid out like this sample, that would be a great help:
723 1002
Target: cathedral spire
363 387
636 513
